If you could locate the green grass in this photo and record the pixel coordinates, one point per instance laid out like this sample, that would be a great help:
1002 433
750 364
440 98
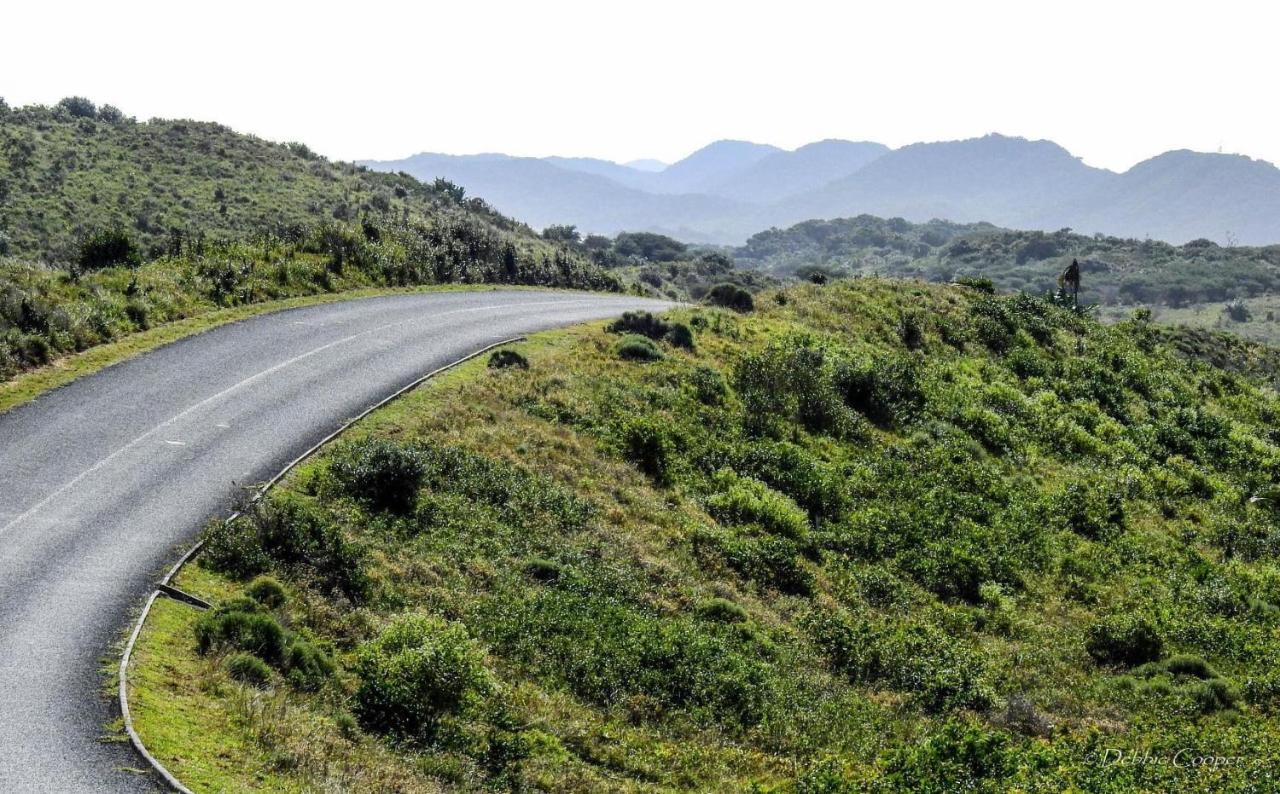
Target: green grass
970 550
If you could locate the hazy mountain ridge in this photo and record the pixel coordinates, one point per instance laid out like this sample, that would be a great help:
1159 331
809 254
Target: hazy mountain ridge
729 190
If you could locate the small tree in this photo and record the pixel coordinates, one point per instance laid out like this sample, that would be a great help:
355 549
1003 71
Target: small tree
78 107
108 248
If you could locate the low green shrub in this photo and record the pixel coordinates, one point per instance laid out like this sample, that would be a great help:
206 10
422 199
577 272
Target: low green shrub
381 473
542 570
642 323
723 610
887 390
248 669
681 336
936 671
289 531
731 296
634 347
648 445
772 562
267 591
240 625
306 667
708 386
108 248
1123 640
741 500
506 358
416 673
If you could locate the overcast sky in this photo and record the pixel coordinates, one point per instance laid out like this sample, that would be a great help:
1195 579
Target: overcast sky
1115 82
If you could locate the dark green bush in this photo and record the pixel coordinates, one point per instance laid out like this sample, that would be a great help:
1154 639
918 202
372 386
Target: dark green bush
248 669
935 670
239 625
680 336
381 473
708 386
887 391
417 672
306 667
731 296
961 757
770 562
723 610
979 283
108 248
266 591
542 570
605 651
648 445
1092 508
290 532
504 358
634 347
1123 640
642 323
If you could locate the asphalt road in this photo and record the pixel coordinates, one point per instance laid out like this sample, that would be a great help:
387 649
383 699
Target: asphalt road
104 481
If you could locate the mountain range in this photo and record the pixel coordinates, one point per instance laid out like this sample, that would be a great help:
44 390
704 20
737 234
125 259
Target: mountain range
728 190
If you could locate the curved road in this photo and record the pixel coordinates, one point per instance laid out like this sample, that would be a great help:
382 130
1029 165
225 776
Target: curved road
103 481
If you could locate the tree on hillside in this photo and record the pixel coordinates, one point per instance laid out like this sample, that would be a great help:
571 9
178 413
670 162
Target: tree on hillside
650 246
78 107
562 233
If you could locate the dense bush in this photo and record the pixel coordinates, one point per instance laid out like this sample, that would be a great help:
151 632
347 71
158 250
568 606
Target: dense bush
248 669
383 474
746 500
650 446
887 391
1123 640
108 248
289 532
266 591
634 347
642 323
731 297
241 625
416 673
505 358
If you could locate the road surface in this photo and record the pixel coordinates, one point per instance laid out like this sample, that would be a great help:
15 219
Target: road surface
104 481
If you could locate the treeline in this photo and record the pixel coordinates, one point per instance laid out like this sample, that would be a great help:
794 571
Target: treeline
1115 270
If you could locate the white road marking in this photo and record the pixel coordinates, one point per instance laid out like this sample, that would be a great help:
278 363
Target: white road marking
268 371
175 443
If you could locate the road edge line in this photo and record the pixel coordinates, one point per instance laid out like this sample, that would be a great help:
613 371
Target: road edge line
123 687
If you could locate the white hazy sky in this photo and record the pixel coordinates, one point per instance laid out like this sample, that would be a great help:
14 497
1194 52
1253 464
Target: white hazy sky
1115 82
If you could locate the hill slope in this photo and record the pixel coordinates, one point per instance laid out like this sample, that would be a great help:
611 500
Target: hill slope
113 226
876 537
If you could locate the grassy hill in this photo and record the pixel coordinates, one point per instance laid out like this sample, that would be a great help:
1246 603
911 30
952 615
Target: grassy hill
1114 270
109 226
872 536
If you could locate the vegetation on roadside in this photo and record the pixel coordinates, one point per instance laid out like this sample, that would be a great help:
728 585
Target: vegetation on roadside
109 226
871 535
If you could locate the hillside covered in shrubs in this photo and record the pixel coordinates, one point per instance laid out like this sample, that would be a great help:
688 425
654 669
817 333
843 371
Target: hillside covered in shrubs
871 535
1114 270
109 226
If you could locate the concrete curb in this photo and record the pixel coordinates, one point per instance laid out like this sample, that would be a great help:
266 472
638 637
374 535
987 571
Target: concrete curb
164 584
